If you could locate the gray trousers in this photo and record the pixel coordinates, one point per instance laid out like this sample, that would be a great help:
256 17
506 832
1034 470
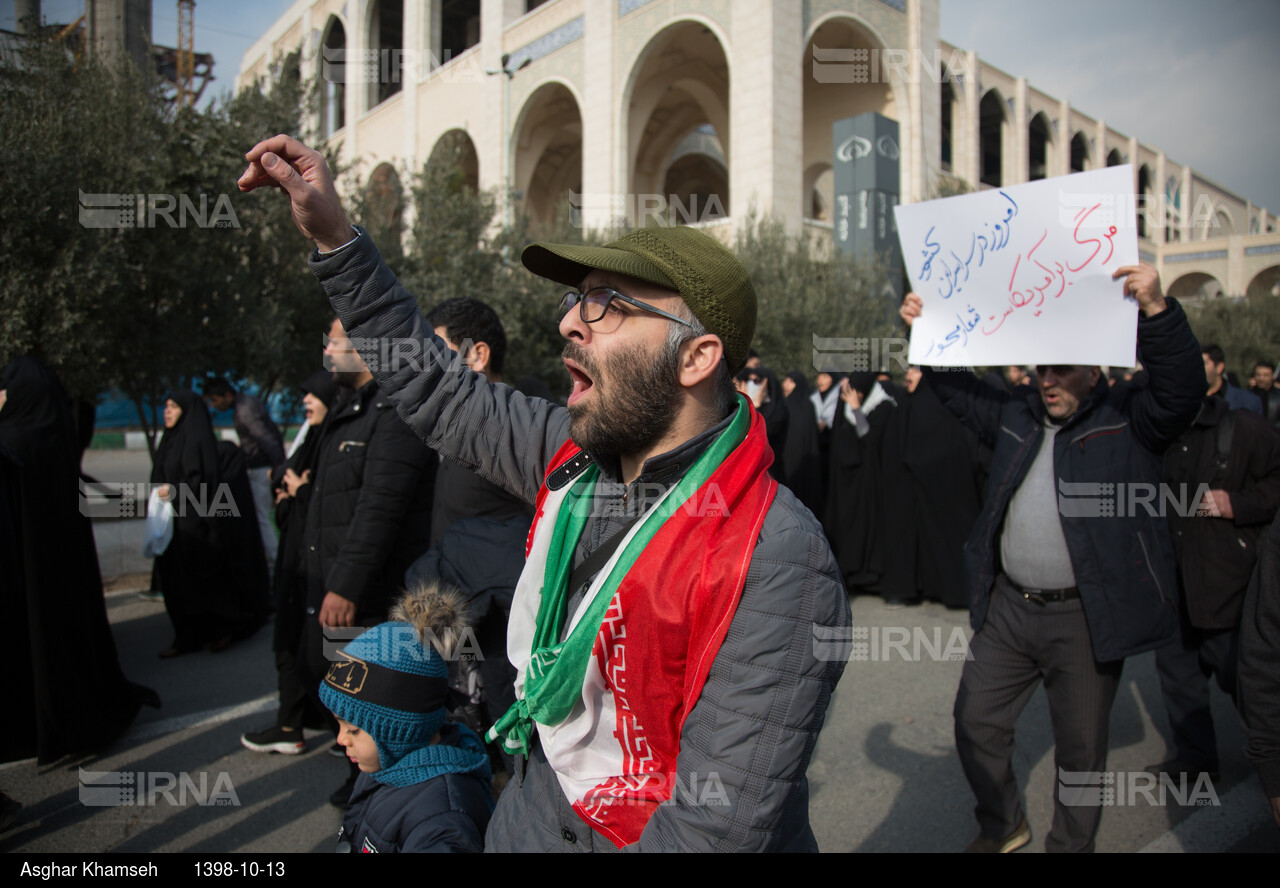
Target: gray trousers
1020 644
264 503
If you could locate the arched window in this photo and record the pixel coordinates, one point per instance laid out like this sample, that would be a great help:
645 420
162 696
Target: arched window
333 78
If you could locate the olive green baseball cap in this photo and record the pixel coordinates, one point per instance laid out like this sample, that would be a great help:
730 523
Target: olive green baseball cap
706 274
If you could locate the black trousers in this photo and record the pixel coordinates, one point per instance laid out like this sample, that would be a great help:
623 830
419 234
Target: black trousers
1184 666
1020 644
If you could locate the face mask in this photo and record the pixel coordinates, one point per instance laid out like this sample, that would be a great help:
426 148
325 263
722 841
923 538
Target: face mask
753 389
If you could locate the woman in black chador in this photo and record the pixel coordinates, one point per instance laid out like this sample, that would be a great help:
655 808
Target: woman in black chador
800 457
300 704
205 602
64 691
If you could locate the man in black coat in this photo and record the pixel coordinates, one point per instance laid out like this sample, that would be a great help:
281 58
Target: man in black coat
478 530
1059 593
1263 384
370 512
1226 470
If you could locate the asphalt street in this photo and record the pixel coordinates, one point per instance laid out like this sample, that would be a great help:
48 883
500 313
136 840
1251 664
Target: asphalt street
884 777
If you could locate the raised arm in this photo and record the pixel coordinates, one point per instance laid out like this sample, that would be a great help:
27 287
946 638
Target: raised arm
504 436
1171 356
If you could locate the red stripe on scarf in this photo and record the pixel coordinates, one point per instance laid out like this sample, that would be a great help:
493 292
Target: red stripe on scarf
665 626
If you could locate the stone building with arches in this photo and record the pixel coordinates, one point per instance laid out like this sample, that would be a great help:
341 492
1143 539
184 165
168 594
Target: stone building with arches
697 110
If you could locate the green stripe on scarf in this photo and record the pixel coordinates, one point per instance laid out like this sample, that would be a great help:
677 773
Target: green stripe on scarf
557 669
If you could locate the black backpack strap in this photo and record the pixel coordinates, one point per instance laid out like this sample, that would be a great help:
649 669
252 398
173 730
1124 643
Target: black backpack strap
1226 431
570 470
597 559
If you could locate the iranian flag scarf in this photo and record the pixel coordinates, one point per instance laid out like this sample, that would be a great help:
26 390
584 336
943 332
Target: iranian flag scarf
609 700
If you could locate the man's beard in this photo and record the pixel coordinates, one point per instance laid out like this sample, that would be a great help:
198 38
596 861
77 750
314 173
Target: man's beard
635 409
346 379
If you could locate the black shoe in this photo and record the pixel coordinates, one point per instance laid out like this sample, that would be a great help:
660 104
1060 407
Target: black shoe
275 739
342 795
1176 767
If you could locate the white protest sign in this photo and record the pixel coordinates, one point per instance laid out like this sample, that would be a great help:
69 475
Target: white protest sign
1022 275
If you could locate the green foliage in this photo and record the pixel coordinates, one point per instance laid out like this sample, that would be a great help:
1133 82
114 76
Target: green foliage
206 280
1246 330
161 304
805 291
947 185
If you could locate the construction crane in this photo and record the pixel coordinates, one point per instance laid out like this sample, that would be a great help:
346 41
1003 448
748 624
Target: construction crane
186 52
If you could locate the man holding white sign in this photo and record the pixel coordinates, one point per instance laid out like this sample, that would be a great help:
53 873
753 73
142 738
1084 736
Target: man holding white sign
1063 587
1023 274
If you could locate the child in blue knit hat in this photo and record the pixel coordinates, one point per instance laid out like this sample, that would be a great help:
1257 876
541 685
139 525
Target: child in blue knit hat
424 784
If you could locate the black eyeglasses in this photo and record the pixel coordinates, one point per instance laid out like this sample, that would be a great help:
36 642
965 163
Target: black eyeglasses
593 305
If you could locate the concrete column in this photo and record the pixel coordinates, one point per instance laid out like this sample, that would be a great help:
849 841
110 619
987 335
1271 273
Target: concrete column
417 66
414 71
356 93
1236 282
488 128
972 127
604 160
121 27
26 16
435 30
925 97
1131 149
1021 159
766 157
1161 202
1062 138
307 64
1184 214
1100 145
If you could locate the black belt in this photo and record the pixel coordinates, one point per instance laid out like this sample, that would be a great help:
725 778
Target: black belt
1044 596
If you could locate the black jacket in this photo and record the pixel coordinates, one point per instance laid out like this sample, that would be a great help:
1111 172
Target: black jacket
1123 563
370 510
1270 405
1216 555
259 435
1259 683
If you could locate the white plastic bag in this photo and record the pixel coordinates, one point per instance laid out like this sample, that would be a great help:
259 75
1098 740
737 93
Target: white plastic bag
159 531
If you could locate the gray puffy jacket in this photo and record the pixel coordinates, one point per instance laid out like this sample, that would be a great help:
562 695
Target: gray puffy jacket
748 740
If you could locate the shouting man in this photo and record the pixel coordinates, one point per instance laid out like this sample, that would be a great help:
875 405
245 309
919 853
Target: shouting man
664 632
